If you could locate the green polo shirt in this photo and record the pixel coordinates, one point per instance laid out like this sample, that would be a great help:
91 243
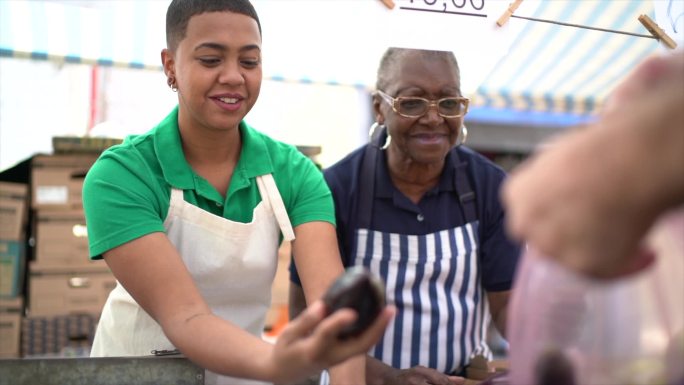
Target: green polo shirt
126 192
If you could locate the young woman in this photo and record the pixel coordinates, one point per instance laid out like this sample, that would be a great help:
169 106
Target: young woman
188 216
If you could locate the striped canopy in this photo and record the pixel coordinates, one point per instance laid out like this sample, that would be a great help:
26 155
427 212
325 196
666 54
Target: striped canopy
550 70
562 69
102 32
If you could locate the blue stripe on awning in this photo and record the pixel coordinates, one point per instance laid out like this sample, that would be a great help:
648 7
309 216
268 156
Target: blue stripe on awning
39 16
5 25
560 71
619 23
72 20
531 118
82 35
107 41
555 69
593 16
75 59
542 45
629 63
34 55
139 26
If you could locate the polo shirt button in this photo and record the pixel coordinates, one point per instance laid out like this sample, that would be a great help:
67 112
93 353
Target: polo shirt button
420 217
219 204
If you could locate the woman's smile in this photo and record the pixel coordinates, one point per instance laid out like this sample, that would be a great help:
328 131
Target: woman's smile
228 103
429 138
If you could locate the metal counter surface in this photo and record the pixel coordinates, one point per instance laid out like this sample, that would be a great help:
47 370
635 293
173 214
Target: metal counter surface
147 370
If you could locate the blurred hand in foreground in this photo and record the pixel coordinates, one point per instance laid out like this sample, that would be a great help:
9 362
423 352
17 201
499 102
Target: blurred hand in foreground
588 198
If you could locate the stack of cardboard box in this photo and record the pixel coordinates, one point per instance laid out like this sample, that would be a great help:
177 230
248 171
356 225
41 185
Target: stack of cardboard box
13 218
66 290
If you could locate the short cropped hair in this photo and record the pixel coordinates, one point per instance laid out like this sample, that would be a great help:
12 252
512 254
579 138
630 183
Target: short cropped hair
392 56
179 13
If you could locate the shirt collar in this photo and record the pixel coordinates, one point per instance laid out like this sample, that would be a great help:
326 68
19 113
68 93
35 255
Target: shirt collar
177 171
254 157
385 189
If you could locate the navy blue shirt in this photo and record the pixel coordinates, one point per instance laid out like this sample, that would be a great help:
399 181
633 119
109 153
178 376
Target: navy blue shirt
439 209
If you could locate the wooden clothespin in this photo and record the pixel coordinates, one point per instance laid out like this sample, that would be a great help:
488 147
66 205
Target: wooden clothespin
509 12
657 32
388 3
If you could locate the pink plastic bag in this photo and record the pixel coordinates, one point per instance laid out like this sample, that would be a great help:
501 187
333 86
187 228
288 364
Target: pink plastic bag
565 328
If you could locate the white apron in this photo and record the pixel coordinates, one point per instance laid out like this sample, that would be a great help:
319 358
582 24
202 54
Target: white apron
233 265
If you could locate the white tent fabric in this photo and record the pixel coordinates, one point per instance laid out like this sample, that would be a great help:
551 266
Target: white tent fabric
565 69
104 32
341 41
549 69
332 42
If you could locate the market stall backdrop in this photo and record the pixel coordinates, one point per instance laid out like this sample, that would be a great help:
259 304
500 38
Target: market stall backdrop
66 65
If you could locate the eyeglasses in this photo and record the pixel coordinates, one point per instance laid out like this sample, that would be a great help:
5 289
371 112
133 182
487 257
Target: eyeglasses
415 107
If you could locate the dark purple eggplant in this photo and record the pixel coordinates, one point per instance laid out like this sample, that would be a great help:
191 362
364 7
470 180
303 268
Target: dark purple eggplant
360 290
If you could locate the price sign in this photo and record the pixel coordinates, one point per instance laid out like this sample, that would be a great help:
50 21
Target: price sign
466 27
670 18
341 41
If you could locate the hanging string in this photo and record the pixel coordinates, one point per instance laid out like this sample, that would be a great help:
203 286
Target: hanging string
583 26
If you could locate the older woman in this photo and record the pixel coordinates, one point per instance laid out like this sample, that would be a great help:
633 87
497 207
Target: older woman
423 212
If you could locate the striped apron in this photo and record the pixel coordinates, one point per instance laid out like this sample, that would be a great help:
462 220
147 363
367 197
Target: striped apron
432 279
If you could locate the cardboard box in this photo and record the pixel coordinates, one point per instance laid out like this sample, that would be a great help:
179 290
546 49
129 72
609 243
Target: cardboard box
13 213
11 311
57 180
58 336
12 268
67 291
82 144
61 239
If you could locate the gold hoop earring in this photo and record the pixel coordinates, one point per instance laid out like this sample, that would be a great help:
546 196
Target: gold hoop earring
464 135
387 142
372 129
371 134
171 82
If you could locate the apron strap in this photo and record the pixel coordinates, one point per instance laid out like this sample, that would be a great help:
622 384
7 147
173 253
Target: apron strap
271 196
463 188
462 184
367 180
364 205
176 196
175 203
